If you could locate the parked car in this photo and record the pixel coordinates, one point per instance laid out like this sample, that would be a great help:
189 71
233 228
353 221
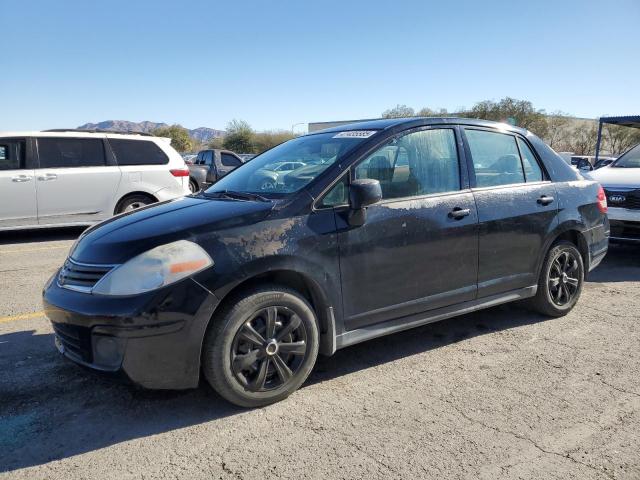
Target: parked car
621 182
66 177
246 286
269 176
603 162
211 165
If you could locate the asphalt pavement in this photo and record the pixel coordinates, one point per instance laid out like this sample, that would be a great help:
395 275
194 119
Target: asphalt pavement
503 393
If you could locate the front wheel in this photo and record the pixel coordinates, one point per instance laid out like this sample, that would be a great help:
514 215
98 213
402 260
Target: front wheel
561 281
262 347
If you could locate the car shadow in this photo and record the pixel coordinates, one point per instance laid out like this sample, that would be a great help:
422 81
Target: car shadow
622 264
51 408
40 235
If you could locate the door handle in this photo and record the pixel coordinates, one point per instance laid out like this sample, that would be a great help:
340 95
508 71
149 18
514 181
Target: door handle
48 176
545 200
458 213
21 178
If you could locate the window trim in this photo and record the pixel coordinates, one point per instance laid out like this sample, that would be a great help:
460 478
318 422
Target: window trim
473 184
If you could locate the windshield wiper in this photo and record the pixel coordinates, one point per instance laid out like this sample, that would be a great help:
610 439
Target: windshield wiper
238 195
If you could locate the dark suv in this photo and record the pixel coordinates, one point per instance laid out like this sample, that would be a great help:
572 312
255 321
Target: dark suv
390 225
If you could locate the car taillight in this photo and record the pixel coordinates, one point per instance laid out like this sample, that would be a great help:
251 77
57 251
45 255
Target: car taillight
602 200
180 172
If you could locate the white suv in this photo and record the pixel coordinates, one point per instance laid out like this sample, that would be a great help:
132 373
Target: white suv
67 177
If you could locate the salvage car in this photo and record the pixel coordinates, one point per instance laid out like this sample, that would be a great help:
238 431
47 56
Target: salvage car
621 182
401 222
62 178
209 166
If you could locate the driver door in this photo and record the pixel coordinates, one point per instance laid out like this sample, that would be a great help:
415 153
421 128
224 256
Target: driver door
418 249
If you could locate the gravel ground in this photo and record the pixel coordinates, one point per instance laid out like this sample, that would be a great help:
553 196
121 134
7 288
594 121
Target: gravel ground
496 394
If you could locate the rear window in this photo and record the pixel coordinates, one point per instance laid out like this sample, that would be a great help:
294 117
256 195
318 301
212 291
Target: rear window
229 160
137 152
70 152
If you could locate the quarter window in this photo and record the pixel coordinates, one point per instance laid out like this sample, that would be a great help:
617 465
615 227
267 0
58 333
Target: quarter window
70 152
137 152
419 163
11 154
337 195
496 159
532 171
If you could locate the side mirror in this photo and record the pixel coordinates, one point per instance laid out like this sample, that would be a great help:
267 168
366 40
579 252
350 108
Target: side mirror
362 193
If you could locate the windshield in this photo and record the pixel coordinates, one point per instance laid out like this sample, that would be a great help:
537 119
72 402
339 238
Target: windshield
631 159
290 166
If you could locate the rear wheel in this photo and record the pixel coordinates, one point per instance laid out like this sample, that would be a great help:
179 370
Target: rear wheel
262 347
133 202
193 186
561 280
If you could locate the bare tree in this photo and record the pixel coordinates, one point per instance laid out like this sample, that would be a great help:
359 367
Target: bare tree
557 126
582 139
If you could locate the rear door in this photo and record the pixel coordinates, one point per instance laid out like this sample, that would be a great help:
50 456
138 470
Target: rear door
17 185
517 209
418 249
74 184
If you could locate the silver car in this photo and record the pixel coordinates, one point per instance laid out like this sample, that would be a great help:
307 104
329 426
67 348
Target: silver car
66 178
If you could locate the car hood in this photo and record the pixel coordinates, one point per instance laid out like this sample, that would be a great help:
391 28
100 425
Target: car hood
616 177
188 218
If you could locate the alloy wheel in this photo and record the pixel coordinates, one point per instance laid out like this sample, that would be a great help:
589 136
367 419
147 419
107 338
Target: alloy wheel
563 282
134 206
268 349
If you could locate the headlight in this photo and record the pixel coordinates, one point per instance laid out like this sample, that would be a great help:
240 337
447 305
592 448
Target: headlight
154 269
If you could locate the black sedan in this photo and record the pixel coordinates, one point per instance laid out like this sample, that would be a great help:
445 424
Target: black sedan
398 223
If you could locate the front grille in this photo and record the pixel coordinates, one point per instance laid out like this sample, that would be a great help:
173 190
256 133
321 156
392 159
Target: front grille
75 339
623 199
79 276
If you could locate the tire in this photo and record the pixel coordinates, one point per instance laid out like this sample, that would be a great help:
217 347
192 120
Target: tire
249 367
557 293
193 186
133 202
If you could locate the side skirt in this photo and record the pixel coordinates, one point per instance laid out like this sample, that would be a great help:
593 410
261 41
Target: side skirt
405 323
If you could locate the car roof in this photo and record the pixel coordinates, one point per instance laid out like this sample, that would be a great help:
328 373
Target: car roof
388 123
72 134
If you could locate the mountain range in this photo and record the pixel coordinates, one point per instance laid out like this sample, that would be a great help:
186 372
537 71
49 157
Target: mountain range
201 134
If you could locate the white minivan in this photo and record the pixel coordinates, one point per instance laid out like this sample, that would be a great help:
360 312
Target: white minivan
60 178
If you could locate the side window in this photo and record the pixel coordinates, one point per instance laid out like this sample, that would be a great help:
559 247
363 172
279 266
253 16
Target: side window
207 158
229 160
198 160
137 152
532 170
11 154
337 195
70 152
419 163
496 159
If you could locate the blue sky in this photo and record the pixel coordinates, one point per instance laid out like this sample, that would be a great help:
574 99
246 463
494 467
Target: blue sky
274 64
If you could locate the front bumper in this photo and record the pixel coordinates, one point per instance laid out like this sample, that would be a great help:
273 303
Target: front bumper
625 224
155 339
